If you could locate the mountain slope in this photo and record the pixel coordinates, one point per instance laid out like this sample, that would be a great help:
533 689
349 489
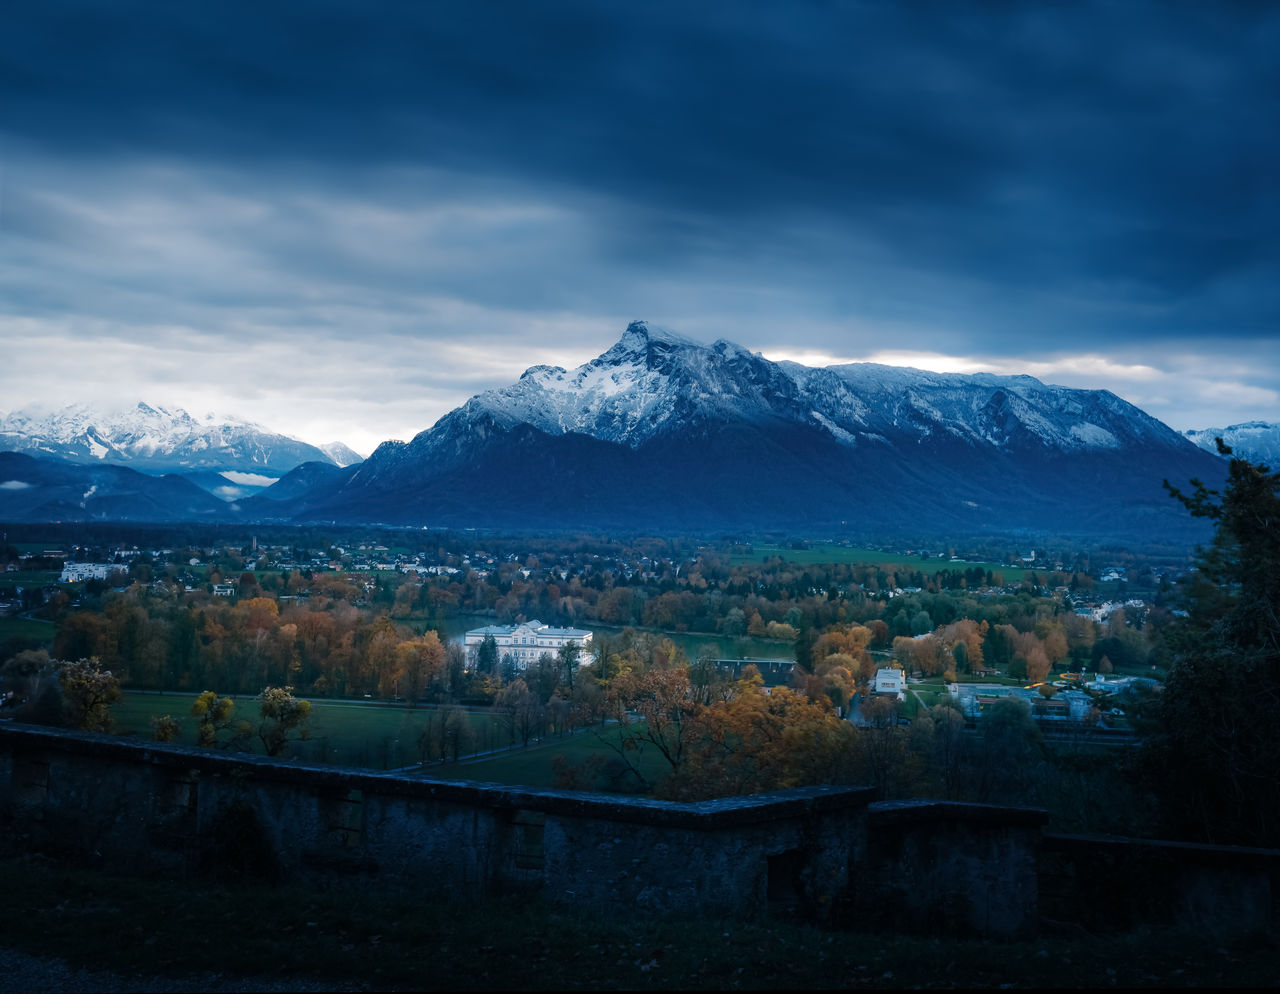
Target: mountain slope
662 432
35 489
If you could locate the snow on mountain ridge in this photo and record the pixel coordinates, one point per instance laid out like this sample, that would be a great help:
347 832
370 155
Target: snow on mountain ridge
154 436
1257 441
654 381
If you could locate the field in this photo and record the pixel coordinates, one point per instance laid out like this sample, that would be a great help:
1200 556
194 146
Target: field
379 736
345 733
534 767
28 577
26 628
821 554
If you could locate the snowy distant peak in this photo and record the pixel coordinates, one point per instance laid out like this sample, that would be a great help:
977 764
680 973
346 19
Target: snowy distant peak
153 437
1256 441
340 454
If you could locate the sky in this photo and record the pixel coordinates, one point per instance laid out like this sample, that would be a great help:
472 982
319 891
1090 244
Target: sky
341 220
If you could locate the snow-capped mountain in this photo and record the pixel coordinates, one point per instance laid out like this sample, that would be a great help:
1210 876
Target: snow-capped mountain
340 455
157 439
1256 441
661 431
654 382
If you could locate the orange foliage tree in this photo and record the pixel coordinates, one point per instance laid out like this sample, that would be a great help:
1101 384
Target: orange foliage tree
755 741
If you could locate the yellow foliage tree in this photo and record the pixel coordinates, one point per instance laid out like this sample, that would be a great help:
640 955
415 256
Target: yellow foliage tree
282 714
757 741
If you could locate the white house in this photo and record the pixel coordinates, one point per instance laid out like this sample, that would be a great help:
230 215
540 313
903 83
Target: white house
74 572
526 642
891 682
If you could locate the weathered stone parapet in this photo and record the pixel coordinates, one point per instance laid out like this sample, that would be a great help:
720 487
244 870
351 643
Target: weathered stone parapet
936 867
826 852
148 806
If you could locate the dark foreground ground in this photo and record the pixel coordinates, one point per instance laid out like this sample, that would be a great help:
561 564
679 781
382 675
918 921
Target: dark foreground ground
69 929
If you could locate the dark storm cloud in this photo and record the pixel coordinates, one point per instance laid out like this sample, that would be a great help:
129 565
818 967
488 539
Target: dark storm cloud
1113 154
439 180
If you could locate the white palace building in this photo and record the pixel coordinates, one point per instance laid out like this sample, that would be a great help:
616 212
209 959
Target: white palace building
526 642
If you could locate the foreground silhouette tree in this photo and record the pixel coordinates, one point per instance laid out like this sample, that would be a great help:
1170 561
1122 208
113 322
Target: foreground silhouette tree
1213 751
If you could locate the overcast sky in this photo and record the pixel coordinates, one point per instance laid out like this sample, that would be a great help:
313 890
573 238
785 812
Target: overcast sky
343 219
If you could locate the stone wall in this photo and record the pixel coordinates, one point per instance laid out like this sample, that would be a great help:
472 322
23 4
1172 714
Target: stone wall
829 853
954 869
148 807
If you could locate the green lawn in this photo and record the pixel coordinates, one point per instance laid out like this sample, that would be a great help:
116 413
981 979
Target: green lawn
28 577
535 766
380 737
343 733
26 628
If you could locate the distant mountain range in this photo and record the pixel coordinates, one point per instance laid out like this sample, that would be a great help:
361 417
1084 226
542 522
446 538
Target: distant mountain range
228 457
160 439
661 432
1257 441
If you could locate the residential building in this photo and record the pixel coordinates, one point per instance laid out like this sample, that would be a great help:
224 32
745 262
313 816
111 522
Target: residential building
74 572
891 682
524 643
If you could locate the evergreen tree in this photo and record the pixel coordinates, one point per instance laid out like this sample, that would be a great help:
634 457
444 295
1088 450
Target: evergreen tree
487 655
1213 751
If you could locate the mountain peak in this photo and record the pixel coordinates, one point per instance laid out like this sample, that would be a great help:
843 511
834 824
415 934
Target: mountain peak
1256 441
640 335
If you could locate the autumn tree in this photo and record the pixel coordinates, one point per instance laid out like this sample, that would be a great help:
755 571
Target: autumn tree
215 715
420 662
165 728
650 708
88 691
282 716
754 741
520 709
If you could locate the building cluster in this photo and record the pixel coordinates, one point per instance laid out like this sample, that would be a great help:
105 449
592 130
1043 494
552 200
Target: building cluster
1066 705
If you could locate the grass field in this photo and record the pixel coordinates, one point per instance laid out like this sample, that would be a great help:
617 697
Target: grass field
381 737
343 733
535 766
823 554
25 577
26 628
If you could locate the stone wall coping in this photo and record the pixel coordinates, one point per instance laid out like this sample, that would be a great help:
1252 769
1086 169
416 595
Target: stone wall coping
1199 852
704 815
883 814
